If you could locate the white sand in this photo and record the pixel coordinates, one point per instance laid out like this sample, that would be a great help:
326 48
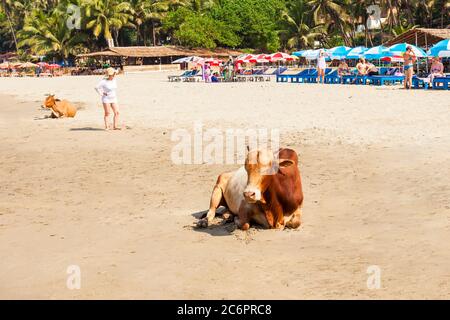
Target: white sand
376 170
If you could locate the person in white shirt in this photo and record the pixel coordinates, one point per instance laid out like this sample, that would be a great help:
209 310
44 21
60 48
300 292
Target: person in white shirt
107 89
321 66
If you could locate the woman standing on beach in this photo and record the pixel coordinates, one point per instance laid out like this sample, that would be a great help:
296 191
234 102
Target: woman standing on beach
408 67
107 90
321 66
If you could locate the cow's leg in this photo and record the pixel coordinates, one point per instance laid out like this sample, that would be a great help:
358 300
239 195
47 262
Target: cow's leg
296 220
242 220
216 199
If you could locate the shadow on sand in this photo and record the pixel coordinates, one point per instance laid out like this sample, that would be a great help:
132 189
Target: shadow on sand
220 228
87 129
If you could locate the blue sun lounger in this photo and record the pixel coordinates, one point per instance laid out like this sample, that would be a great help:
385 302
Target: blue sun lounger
333 77
442 83
419 83
295 77
354 79
383 79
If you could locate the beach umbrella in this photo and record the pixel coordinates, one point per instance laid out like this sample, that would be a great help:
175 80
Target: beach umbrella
43 64
338 53
377 52
313 54
245 58
187 60
4 65
281 56
440 49
54 66
400 49
15 65
393 59
28 65
356 53
260 58
213 61
299 53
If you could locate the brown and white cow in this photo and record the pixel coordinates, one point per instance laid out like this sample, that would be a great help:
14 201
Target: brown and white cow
266 191
60 108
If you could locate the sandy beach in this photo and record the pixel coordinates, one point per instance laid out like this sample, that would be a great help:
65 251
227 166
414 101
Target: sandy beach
375 163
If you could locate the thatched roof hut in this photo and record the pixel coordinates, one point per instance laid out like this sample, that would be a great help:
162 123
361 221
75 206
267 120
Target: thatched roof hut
160 52
421 37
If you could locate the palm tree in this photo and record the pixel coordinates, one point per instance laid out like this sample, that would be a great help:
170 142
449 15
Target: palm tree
106 18
44 34
325 11
150 13
299 32
7 7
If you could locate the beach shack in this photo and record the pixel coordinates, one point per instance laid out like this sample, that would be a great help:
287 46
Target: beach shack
148 58
420 37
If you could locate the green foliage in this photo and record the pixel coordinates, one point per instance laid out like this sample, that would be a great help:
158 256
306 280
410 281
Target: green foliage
37 27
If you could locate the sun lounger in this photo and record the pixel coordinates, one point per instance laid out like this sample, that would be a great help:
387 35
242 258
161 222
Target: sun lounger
333 77
442 83
178 78
294 76
383 79
312 78
419 83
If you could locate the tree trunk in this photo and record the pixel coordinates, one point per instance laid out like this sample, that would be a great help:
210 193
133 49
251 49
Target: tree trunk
153 33
11 26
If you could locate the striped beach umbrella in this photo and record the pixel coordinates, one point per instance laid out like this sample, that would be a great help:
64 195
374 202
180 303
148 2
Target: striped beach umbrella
281 56
440 49
356 53
400 48
377 52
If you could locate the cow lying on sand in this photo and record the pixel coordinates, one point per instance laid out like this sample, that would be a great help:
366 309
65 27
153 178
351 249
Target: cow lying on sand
60 108
266 191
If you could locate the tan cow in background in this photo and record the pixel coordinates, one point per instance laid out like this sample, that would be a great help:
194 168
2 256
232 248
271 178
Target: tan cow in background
60 108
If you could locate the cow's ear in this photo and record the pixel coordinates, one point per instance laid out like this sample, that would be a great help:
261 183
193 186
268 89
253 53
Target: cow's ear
284 163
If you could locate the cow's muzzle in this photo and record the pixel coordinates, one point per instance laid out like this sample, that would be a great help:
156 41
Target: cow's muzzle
252 196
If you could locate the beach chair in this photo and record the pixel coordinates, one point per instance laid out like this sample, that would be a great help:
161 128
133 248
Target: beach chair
178 78
441 83
381 80
268 74
312 78
291 76
418 83
194 76
333 77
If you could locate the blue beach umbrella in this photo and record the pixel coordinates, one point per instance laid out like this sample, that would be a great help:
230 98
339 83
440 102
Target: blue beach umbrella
356 53
440 49
377 52
338 53
298 53
400 48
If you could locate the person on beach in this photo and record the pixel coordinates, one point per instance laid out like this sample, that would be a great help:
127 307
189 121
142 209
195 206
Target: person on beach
408 66
107 89
321 66
372 70
361 67
436 70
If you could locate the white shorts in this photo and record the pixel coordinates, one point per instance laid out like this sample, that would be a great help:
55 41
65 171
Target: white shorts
109 100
